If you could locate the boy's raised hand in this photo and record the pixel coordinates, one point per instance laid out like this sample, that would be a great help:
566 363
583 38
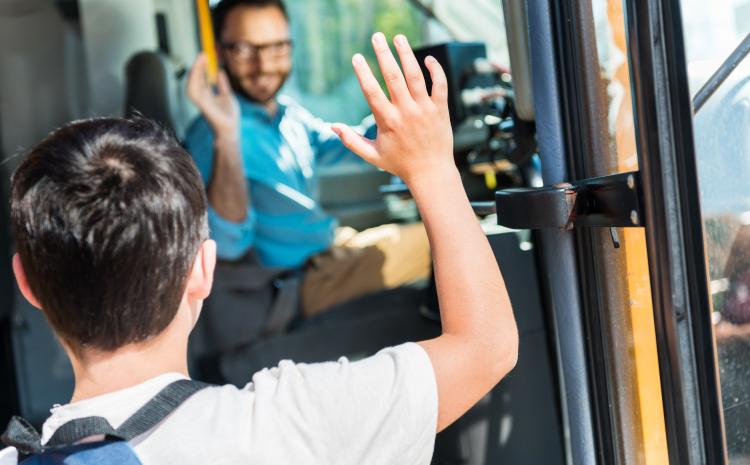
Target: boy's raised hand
479 341
414 137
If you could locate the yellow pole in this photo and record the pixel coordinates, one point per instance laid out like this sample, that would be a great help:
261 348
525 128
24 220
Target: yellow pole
636 257
207 39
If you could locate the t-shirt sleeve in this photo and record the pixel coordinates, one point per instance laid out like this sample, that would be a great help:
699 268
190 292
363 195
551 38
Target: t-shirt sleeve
382 409
8 456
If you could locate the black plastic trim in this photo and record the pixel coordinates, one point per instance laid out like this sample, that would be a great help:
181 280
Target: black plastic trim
571 71
9 405
560 253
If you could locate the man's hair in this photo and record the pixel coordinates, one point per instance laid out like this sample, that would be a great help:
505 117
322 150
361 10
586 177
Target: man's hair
221 11
108 215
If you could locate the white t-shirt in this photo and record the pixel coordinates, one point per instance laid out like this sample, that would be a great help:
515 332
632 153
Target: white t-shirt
379 410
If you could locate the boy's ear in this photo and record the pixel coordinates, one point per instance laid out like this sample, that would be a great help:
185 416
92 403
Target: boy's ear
202 275
23 284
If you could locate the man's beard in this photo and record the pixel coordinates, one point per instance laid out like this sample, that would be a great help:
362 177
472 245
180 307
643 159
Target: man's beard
240 90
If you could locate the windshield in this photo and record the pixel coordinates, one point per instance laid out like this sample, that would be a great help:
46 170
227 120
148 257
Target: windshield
323 80
473 20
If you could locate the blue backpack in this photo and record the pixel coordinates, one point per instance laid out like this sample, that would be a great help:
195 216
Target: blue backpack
114 450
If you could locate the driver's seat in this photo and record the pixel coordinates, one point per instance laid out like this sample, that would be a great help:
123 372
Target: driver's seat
151 88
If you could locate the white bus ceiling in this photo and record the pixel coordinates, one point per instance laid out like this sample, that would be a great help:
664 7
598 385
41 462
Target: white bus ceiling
56 66
42 74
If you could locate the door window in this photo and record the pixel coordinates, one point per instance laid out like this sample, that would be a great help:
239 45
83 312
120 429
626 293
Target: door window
723 152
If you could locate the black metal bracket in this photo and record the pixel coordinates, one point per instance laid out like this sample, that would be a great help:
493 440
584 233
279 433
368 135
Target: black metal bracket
614 201
609 201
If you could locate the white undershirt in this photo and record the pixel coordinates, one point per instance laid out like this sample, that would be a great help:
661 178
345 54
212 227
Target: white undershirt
379 410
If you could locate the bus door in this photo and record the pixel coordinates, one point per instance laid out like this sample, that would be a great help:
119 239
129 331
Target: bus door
631 257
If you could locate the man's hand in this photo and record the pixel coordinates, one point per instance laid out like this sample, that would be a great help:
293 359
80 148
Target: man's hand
221 110
479 344
414 132
227 188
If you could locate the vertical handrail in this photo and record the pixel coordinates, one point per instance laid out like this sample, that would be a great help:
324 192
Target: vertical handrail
207 39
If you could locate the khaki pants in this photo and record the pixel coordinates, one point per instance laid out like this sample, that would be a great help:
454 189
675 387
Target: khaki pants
362 263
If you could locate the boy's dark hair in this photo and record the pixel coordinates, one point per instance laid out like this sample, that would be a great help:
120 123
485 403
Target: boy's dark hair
108 216
221 11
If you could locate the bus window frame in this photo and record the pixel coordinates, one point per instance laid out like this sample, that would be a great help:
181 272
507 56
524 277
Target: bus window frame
674 228
674 233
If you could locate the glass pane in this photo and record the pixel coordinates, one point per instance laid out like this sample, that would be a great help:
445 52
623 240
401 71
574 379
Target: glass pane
635 387
723 149
326 34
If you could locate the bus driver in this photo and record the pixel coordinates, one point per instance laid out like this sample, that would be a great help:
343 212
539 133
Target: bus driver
257 153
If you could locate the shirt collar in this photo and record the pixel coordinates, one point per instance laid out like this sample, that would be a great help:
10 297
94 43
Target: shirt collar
253 109
116 406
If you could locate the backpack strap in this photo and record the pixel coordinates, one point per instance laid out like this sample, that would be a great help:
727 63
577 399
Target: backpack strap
158 408
21 435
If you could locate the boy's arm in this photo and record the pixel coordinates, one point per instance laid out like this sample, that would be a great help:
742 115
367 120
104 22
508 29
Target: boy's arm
226 188
479 344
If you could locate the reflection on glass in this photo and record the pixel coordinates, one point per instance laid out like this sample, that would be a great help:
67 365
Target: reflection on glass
628 312
327 33
723 149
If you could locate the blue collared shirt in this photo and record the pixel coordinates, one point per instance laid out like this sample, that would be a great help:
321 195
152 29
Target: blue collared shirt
280 153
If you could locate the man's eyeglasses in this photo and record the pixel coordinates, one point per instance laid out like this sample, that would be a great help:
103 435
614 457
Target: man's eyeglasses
248 51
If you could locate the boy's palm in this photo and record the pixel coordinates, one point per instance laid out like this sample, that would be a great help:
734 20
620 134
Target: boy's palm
414 134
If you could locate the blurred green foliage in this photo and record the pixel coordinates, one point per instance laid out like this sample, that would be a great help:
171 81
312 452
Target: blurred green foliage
327 33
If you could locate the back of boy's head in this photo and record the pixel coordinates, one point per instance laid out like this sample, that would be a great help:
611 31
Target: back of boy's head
108 215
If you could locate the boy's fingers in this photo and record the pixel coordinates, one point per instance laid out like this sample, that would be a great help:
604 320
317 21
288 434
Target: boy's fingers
439 83
412 71
358 144
394 79
377 100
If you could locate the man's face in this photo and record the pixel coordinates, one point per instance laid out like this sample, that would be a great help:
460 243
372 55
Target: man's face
258 77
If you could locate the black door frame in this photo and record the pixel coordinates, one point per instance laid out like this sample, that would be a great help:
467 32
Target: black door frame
9 398
674 232
674 226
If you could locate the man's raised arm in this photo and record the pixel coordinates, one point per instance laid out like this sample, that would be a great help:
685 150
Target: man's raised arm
479 344
227 188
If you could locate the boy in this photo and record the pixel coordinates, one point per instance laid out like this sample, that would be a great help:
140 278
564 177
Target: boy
109 217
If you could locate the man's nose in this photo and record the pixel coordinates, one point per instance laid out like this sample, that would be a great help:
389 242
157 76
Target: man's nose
265 63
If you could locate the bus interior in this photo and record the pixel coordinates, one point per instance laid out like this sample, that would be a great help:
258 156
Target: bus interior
615 201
